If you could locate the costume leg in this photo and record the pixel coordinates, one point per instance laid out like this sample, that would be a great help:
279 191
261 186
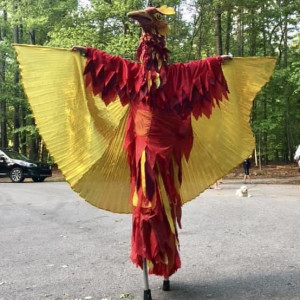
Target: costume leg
147 291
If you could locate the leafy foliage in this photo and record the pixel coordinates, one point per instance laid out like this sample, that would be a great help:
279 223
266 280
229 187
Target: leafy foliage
249 27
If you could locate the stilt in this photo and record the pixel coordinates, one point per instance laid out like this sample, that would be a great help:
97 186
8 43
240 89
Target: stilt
147 291
166 284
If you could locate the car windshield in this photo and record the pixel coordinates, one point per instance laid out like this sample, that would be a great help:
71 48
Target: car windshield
15 155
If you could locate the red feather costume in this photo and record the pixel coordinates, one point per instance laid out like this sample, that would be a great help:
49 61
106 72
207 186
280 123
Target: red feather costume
162 99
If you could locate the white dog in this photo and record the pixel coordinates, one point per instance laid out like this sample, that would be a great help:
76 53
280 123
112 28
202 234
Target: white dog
242 192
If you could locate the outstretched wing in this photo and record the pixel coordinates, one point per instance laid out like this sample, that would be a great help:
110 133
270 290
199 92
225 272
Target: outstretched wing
84 136
112 77
225 139
197 86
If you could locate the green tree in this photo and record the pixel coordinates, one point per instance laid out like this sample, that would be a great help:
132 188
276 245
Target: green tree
200 28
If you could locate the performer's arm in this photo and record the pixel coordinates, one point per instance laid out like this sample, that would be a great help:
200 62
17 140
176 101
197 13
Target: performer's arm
109 75
202 83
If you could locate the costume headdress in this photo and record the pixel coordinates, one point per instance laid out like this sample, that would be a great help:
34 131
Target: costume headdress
153 19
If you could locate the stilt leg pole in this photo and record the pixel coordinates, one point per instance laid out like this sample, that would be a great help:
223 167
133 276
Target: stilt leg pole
147 291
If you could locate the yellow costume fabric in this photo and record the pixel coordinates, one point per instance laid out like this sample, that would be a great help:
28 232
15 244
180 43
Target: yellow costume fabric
85 137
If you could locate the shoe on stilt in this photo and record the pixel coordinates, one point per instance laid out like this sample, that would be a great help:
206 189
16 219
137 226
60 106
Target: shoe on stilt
166 285
147 295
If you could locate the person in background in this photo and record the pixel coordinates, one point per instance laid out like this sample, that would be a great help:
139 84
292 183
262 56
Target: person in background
297 158
217 184
246 166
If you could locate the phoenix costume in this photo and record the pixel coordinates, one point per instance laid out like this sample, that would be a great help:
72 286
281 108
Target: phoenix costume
151 109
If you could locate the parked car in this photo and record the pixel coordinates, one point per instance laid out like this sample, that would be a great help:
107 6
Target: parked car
17 167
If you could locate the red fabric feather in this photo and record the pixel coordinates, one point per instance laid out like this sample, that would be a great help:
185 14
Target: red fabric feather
159 125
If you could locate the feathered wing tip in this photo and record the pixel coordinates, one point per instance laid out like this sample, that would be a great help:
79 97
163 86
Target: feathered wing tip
224 140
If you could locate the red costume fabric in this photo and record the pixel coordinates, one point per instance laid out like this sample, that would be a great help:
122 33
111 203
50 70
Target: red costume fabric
162 99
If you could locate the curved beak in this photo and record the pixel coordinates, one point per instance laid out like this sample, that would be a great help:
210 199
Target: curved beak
141 16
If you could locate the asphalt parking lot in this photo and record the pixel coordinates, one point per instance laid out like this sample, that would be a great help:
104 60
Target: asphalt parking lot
53 245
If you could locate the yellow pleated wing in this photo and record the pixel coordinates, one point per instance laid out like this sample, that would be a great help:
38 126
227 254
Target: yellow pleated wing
86 138
224 140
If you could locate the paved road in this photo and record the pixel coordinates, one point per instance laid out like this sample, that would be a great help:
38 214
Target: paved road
53 245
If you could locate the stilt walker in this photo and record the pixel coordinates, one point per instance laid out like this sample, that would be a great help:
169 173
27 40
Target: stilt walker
151 109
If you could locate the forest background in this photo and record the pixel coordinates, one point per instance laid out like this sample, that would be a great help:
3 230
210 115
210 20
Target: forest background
200 28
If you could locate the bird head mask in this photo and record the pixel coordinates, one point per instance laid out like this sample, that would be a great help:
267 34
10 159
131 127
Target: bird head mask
153 19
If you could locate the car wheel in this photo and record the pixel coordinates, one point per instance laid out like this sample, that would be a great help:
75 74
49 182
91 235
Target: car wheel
16 175
38 179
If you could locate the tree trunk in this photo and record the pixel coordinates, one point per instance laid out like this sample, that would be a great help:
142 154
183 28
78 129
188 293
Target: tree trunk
263 29
196 28
3 126
23 134
228 29
240 39
32 37
253 33
285 65
218 30
265 134
203 12
285 43
23 107
16 135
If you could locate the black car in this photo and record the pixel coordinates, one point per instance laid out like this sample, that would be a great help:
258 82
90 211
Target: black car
18 167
